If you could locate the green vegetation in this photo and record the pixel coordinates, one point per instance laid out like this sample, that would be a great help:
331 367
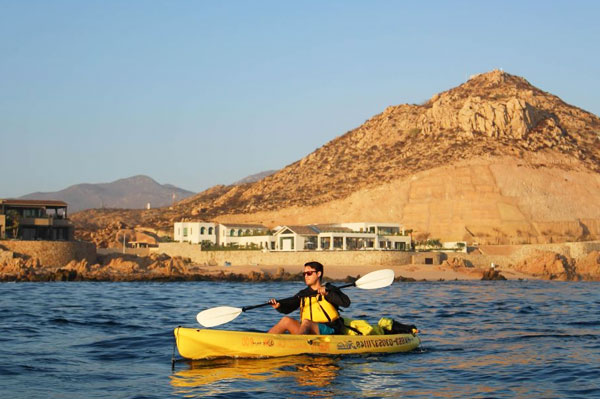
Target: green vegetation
256 233
434 243
428 245
210 246
13 222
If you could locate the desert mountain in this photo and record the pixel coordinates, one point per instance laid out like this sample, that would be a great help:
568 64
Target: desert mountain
133 192
494 160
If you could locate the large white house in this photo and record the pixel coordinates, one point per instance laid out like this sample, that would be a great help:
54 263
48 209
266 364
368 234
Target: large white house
245 235
224 234
341 236
195 232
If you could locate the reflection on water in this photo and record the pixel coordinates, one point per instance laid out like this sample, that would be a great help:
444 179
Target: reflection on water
306 371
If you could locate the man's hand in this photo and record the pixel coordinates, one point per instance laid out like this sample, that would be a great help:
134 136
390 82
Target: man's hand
322 291
274 303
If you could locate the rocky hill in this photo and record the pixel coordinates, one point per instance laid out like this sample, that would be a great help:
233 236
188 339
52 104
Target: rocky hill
130 193
494 160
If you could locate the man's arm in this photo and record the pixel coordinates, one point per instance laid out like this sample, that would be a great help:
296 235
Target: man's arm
288 305
336 296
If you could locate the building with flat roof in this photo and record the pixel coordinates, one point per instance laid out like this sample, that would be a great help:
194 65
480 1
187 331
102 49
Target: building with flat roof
224 234
342 236
314 237
195 232
35 220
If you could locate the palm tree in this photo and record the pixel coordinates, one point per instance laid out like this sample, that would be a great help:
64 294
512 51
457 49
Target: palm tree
13 221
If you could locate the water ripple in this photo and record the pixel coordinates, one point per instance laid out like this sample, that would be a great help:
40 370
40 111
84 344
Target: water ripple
480 340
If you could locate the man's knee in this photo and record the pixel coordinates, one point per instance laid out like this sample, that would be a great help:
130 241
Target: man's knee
308 326
286 321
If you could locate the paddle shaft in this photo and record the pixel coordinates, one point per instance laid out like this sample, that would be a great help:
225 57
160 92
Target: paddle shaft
245 308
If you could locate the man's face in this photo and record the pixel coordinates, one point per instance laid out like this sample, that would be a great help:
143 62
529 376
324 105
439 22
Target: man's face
310 275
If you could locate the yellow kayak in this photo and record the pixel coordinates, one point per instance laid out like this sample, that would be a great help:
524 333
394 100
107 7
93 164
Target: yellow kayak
206 343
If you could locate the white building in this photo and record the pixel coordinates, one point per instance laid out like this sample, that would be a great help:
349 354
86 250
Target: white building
342 236
382 229
245 235
296 238
224 234
195 232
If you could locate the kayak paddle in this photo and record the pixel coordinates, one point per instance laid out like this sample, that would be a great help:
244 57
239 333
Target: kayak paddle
224 314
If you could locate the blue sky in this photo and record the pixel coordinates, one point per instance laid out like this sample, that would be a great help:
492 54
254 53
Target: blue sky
198 93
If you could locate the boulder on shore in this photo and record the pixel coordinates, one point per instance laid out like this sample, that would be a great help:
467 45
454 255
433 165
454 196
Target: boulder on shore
549 265
588 267
492 275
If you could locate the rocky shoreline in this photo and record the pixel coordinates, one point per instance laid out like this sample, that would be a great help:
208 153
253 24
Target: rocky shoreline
130 268
162 267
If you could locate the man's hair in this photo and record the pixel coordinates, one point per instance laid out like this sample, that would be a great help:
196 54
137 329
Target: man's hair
317 266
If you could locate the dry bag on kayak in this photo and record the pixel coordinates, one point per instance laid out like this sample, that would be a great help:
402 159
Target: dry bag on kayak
359 327
391 326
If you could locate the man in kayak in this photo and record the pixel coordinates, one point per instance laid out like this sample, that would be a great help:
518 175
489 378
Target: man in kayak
318 305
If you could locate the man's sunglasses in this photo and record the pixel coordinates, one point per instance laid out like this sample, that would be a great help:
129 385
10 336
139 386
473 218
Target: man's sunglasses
310 272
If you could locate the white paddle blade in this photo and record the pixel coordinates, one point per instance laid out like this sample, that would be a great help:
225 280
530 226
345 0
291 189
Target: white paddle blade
377 279
216 316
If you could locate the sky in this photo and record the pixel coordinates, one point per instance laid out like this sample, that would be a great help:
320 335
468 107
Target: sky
199 93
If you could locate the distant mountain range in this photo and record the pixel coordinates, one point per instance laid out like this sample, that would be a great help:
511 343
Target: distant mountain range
131 193
255 177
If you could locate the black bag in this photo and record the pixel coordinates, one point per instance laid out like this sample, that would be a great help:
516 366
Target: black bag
399 328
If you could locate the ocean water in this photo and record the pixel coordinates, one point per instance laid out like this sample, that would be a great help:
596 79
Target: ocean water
514 339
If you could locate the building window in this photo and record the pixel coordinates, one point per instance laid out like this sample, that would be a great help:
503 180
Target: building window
338 242
310 242
185 231
202 230
388 231
210 230
401 246
353 243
